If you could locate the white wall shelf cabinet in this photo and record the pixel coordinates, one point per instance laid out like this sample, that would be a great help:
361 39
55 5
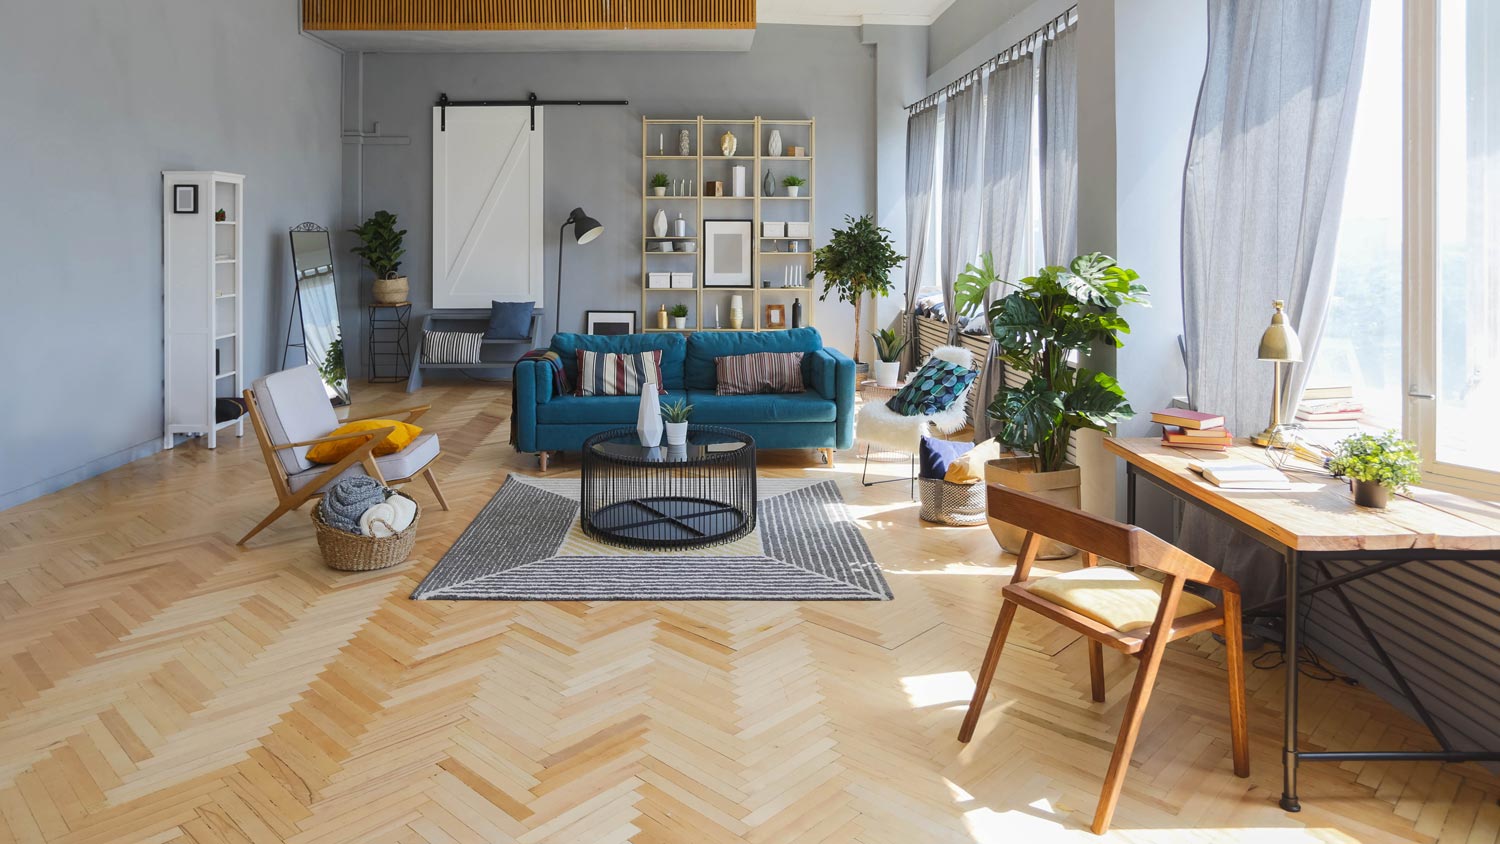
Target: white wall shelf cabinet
770 260
202 318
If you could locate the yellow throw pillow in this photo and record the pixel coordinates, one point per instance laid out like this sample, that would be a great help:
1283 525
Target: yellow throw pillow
969 468
339 449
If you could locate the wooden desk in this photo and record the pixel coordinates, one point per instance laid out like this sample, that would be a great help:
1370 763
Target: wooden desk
1317 522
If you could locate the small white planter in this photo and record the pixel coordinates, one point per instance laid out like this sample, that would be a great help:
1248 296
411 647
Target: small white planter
793 190
655 191
677 433
679 322
887 374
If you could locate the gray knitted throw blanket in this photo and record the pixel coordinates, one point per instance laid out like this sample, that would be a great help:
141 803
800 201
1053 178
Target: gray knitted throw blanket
348 499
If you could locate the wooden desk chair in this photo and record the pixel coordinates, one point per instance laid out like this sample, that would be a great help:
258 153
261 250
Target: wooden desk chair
1117 608
290 413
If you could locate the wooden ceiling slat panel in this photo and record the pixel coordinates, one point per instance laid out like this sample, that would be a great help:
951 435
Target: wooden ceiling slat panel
480 15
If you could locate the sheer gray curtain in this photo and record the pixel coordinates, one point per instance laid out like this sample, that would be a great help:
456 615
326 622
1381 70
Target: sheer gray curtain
921 156
962 156
1059 147
1261 198
1005 198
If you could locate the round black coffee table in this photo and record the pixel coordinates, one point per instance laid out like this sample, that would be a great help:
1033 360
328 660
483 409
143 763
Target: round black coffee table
682 496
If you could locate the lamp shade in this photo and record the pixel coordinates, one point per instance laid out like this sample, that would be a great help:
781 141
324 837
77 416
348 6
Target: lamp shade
1279 343
585 228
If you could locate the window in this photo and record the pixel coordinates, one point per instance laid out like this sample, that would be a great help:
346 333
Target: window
1414 325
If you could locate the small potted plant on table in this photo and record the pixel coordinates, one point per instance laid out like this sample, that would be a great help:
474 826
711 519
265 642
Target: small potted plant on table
381 250
1376 465
676 416
679 313
888 347
659 184
793 185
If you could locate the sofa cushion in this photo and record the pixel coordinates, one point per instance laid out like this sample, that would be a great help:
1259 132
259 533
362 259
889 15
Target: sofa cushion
672 348
611 374
596 410
403 464
704 346
712 409
759 373
295 406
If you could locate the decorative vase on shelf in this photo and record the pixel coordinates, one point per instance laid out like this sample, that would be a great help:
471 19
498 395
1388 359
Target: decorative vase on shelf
728 143
797 313
773 146
684 145
737 176
679 226
659 223
736 312
661 318
768 185
648 421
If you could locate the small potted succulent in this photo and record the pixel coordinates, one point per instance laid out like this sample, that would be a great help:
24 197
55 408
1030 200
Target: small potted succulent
679 314
676 414
1376 465
381 250
659 184
793 185
888 347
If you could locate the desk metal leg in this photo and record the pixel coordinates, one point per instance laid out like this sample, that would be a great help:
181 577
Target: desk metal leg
1289 800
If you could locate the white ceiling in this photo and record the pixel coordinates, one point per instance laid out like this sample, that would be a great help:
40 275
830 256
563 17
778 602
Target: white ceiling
850 12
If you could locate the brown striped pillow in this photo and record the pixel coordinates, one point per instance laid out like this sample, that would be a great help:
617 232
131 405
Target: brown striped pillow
762 372
611 374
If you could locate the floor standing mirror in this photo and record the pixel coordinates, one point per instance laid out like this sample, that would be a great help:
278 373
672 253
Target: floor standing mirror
315 308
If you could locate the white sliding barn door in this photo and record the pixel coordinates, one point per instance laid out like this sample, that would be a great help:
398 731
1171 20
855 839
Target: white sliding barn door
486 207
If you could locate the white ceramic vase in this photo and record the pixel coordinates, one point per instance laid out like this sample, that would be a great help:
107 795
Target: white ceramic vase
887 373
773 146
676 433
648 420
659 223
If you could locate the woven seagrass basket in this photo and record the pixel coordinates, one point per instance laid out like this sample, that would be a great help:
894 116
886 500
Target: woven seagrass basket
951 504
346 551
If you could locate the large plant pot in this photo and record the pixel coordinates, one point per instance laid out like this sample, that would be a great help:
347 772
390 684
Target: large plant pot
887 373
1371 494
390 291
1060 487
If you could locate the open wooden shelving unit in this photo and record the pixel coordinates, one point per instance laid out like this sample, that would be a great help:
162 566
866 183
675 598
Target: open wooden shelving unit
767 258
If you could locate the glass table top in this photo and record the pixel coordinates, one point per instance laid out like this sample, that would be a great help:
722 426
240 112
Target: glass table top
701 443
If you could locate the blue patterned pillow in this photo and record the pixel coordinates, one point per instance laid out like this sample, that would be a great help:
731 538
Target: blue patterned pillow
933 389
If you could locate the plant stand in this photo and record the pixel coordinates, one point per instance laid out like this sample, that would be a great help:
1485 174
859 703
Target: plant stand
388 354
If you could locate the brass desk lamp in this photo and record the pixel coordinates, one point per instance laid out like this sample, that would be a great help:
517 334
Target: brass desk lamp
1280 346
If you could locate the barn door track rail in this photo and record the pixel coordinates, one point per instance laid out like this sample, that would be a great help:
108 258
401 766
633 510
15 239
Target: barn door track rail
531 101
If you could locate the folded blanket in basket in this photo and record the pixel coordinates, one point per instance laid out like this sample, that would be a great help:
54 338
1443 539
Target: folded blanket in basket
348 499
389 518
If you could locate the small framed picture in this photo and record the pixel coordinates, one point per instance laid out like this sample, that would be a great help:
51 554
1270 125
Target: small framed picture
726 253
184 199
776 316
610 322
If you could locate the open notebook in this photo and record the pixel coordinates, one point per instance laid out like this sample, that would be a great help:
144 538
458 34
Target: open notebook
1241 474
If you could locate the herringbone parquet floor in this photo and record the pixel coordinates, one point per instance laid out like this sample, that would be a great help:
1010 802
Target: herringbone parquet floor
159 685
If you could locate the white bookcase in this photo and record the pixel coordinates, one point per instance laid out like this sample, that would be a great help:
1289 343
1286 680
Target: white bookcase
202 307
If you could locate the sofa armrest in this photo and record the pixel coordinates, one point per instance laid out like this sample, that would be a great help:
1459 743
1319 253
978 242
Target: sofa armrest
538 375
833 378
533 387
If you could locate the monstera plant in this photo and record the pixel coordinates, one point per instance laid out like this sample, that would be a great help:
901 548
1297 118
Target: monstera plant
1040 329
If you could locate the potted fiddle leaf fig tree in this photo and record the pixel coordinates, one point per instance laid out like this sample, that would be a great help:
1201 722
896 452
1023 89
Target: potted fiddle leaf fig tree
381 250
857 262
1041 328
1376 466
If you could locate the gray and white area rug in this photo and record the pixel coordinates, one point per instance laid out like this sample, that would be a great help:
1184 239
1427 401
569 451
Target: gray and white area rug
527 545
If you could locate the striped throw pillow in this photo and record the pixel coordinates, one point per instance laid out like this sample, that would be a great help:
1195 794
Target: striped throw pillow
611 374
450 347
761 372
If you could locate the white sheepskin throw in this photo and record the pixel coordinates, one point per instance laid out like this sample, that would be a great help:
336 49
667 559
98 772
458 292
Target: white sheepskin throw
884 428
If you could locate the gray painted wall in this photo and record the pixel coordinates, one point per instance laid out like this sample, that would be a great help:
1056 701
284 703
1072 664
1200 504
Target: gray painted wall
100 97
592 154
972 31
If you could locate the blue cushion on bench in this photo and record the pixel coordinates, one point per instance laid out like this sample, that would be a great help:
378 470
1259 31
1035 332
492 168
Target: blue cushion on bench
510 321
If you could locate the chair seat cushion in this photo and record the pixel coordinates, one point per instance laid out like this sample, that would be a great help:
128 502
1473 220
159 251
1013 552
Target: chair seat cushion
588 410
712 409
1115 597
403 464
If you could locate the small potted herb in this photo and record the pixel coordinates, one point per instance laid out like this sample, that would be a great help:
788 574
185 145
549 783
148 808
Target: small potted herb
1376 465
676 414
679 314
793 184
888 347
659 184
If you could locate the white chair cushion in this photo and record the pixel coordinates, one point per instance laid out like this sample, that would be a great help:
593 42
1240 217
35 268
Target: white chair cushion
403 464
296 408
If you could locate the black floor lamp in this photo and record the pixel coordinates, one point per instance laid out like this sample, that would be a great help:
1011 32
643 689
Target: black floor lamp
585 229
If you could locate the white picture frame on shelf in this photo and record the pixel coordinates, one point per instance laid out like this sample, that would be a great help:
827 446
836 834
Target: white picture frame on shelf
727 248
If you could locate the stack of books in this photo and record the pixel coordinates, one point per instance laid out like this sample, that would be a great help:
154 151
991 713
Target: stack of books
1241 475
1191 429
1329 407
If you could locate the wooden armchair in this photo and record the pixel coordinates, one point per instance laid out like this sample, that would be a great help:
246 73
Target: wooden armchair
290 413
1116 608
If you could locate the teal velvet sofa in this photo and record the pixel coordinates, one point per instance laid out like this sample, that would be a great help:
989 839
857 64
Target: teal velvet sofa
822 417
